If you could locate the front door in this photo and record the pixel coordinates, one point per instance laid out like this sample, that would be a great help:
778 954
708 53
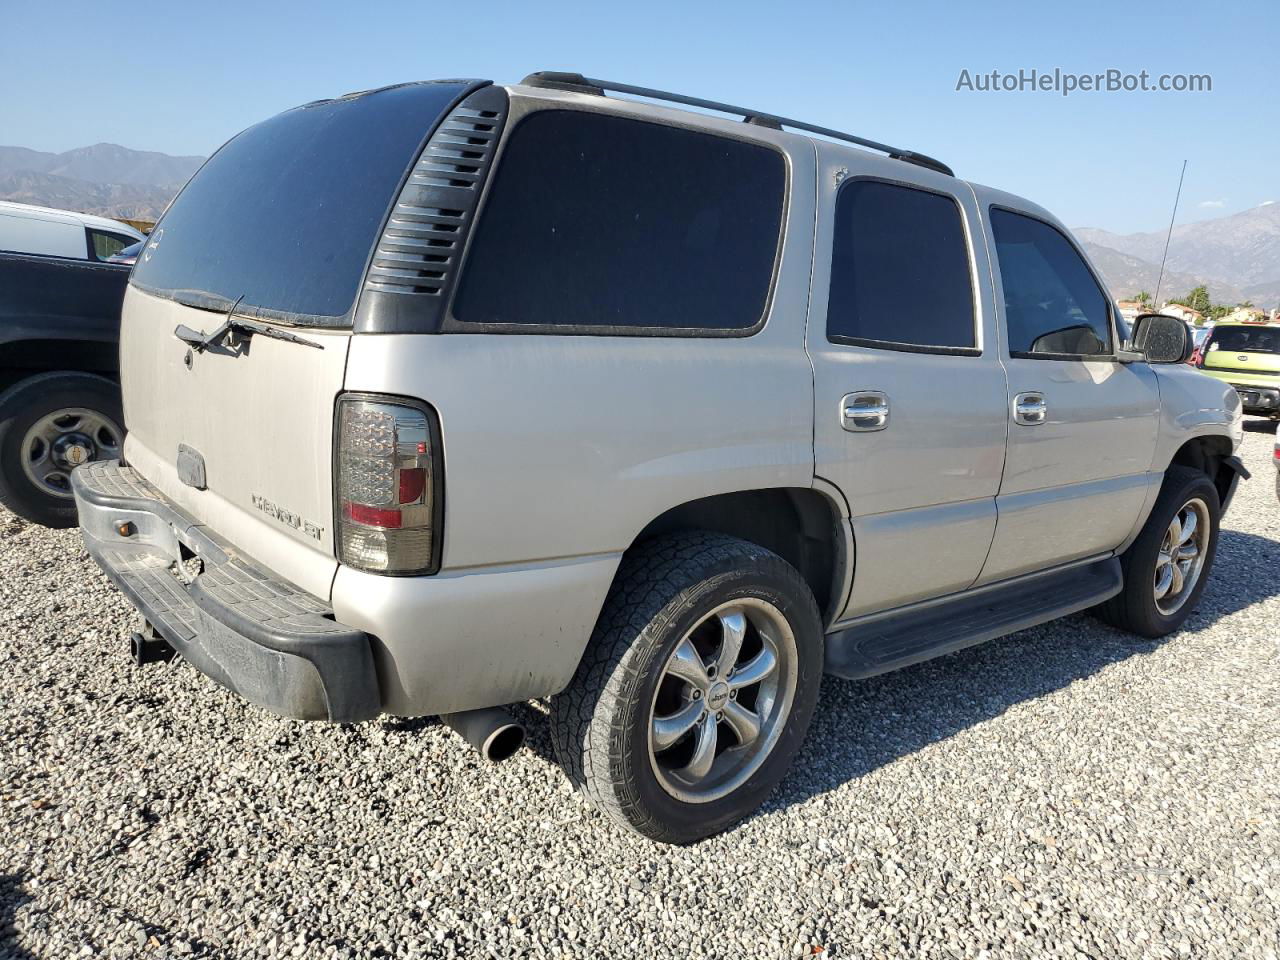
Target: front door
910 417
1082 429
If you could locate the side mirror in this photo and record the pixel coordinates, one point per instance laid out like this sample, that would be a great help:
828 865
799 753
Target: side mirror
1161 339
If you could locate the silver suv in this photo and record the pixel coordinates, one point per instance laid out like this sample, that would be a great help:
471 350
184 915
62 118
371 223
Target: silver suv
452 395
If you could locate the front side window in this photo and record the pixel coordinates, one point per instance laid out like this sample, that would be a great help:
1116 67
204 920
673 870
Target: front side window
1053 306
108 244
603 224
900 276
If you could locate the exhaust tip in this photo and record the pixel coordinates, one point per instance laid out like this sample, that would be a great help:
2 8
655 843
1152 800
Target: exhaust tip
493 732
503 743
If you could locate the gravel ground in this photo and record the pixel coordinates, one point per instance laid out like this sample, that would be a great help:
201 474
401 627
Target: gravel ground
1067 791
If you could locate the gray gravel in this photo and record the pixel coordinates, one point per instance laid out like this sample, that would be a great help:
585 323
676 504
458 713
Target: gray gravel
1068 791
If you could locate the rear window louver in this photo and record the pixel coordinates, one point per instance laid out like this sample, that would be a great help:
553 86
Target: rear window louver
416 260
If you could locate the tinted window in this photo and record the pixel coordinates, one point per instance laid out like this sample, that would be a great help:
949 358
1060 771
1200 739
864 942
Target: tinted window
286 213
106 244
1257 339
1052 304
899 269
597 221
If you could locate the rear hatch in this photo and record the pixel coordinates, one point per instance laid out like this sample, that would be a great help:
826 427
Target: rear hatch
1246 354
276 229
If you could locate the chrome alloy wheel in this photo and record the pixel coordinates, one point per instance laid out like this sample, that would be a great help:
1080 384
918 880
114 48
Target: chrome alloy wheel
1181 558
58 443
722 700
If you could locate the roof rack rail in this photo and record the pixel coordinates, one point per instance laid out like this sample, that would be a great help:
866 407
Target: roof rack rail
577 83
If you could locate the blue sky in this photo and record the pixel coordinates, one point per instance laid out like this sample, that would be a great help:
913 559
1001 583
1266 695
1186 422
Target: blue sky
181 79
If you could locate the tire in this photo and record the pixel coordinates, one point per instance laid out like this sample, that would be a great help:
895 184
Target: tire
691 591
27 404
1136 608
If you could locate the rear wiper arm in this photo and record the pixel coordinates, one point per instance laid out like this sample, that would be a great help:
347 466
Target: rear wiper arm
249 327
200 342
197 339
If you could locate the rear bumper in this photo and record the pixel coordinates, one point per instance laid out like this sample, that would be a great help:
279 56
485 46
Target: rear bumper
1256 399
254 633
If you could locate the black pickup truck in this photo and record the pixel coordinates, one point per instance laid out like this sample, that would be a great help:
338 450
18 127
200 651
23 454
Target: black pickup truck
59 395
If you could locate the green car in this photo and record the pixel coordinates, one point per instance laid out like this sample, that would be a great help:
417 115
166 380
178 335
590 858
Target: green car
1247 356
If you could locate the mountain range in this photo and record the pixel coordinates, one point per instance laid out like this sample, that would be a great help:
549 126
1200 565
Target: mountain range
105 179
1237 256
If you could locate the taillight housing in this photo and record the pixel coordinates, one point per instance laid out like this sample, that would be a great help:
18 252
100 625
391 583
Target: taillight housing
388 484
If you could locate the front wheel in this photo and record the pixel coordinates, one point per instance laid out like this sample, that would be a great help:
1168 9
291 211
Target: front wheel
1166 569
697 689
49 425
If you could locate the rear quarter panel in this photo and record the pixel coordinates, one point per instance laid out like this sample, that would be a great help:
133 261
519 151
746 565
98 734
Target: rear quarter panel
567 446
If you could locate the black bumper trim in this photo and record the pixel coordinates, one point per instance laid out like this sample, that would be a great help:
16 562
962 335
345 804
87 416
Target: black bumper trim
254 633
1238 472
1268 398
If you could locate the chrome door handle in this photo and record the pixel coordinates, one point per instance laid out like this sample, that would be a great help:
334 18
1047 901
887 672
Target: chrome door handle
1029 408
864 411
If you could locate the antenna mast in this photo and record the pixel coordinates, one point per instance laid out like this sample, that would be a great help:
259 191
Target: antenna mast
1169 235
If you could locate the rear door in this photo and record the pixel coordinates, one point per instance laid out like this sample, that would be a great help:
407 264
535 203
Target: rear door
277 228
1083 425
910 413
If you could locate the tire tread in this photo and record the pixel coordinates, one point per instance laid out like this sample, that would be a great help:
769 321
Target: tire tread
588 719
1127 609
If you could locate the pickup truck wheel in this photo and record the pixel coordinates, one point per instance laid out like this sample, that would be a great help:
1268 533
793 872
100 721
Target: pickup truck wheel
697 688
50 424
1166 569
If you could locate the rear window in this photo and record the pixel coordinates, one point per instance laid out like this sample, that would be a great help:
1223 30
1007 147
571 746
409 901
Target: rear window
600 224
1245 339
284 216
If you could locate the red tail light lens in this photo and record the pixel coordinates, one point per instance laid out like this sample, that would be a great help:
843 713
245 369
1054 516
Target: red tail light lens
387 477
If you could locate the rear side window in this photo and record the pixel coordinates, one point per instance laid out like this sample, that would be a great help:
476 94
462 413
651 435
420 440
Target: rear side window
108 244
900 276
604 224
286 213
1052 304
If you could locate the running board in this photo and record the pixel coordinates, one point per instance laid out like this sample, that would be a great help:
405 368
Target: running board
884 642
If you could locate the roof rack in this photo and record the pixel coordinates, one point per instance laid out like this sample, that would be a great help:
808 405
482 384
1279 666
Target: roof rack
576 82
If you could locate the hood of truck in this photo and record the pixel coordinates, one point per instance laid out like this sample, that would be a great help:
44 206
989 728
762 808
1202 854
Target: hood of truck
260 419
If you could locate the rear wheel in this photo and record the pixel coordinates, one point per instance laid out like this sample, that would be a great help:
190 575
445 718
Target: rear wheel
697 689
49 425
1166 569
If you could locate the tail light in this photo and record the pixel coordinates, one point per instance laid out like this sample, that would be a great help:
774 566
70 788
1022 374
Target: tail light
388 483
